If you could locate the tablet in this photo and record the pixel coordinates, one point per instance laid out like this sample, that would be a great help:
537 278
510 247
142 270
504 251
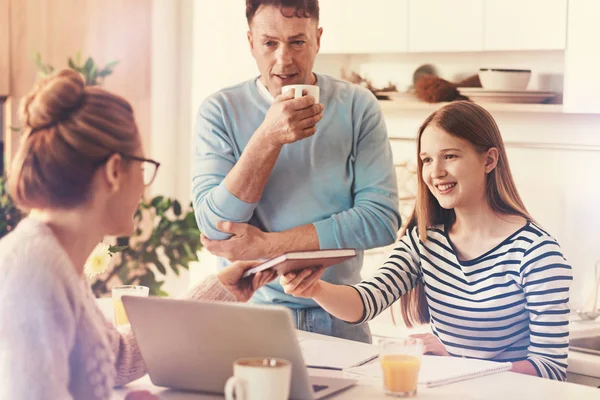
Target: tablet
295 261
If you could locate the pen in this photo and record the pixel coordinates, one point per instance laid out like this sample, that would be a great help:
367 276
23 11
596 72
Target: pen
324 367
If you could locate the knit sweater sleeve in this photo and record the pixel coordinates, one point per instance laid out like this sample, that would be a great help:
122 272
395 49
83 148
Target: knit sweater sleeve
129 363
210 289
37 329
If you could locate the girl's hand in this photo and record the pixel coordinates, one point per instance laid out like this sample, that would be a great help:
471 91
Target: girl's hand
431 344
304 283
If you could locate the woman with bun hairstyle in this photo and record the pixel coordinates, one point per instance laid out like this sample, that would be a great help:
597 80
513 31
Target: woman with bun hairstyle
81 171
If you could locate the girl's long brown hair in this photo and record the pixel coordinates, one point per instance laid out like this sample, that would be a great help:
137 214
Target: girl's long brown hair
468 121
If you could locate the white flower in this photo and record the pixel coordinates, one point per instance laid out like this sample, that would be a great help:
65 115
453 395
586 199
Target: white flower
98 261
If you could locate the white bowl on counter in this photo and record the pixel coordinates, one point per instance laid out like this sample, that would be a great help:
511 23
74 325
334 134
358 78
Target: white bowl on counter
504 79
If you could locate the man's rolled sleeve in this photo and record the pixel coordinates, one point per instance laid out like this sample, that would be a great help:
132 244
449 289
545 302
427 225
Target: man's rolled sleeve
220 205
214 157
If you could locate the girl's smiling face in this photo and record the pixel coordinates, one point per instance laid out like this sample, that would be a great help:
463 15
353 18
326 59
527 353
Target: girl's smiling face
453 170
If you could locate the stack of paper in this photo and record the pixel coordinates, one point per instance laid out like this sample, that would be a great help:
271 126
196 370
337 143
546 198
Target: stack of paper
436 371
336 355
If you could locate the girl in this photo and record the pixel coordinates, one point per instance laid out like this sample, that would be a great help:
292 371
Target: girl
472 262
81 168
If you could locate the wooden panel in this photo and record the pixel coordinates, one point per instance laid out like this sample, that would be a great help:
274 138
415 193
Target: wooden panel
105 30
4 48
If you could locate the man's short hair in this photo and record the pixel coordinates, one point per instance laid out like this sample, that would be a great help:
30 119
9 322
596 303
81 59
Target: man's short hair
299 8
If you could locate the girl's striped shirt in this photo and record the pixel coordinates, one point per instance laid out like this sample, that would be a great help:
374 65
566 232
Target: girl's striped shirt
509 304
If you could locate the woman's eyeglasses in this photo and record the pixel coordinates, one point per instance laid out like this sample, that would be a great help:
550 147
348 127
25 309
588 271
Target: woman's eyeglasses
150 167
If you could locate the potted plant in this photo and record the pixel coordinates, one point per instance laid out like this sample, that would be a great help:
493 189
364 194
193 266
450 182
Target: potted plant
165 237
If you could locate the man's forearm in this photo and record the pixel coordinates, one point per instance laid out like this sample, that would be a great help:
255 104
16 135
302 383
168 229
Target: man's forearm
247 179
300 238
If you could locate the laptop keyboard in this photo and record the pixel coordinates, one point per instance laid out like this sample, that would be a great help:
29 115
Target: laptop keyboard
318 388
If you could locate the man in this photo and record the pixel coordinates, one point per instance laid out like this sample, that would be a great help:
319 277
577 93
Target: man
274 174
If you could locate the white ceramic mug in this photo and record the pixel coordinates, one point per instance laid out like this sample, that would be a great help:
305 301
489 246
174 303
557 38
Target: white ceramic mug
259 378
313 90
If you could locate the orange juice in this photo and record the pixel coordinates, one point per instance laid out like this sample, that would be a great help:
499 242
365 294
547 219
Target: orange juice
125 290
120 314
400 373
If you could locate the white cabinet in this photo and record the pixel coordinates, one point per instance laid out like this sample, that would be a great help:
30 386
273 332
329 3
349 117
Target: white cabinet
377 26
525 24
352 26
442 25
582 58
397 26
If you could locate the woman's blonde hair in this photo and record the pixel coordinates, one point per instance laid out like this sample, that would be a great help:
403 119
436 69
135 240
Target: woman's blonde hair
468 121
69 130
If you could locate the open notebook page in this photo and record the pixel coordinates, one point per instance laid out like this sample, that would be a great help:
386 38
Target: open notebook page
336 355
436 371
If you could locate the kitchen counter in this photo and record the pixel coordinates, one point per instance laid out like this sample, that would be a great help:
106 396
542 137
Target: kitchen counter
584 363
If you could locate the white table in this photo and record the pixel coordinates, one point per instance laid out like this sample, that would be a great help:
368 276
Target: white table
506 385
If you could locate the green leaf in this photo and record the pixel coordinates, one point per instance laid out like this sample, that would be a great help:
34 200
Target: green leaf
110 66
123 274
156 201
188 250
177 208
92 76
175 268
71 64
160 267
104 72
117 249
88 65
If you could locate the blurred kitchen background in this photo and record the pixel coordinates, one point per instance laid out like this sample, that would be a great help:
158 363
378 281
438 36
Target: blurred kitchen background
173 53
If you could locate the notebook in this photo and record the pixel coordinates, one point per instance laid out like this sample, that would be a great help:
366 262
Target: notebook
298 260
327 354
437 371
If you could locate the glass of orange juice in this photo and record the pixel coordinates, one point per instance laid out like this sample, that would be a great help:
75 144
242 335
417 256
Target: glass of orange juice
400 361
125 290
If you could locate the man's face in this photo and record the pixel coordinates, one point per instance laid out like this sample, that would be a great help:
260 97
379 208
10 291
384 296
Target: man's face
284 48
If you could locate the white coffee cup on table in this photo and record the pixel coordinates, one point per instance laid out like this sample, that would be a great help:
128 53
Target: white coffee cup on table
313 90
259 378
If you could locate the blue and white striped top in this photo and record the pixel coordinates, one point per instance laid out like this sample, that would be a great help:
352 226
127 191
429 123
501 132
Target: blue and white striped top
510 304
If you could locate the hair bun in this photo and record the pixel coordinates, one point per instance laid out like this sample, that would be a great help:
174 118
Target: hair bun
53 99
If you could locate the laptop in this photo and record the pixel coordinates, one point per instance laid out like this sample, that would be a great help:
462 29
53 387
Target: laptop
191 345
